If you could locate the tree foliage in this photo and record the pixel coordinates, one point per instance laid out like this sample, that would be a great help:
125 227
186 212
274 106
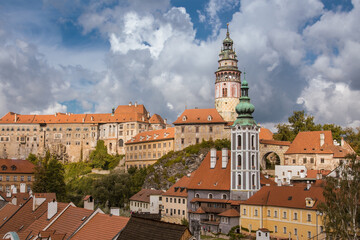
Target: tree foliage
341 209
49 176
100 158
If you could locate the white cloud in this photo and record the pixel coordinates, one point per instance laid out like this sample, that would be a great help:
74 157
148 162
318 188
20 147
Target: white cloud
53 108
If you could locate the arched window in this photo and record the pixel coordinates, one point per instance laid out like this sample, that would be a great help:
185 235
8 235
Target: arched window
210 196
110 146
253 161
197 195
253 142
239 180
224 196
239 141
121 143
253 181
239 161
224 92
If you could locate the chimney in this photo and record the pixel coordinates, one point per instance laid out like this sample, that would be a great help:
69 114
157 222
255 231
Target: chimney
83 120
92 118
22 187
37 201
130 104
322 139
224 157
8 194
115 211
14 200
342 143
112 111
135 104
52 209
165 121
89 202
308 185
279 182
55 114
212 158
302 174
15 117
276 178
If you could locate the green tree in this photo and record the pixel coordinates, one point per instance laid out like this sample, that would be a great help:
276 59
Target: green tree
99 158
341 209
353 138
32 158
49 177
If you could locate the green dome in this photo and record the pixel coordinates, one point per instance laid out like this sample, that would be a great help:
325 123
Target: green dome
245 108
244 83
228 40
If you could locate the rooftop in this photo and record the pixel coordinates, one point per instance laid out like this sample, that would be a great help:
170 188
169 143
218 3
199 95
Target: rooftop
144 195
199 116
8 166
155 135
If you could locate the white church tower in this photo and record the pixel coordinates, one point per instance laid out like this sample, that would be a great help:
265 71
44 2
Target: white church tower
245 162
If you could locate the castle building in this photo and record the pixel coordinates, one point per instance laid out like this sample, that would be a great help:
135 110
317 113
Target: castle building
72 136
227 83
245 156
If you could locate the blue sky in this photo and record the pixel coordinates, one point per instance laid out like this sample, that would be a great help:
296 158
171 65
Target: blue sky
89 56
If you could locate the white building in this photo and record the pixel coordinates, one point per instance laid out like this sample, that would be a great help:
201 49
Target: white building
285 173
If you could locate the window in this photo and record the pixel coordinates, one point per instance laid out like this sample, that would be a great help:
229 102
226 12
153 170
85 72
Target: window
154 145
239 180
295 231
167 199
295 216
311 160
284 215
210 196
197 195
244 211
268 213
294 161
197 129
1 178
309 217
224 196
309 234
224 92
284 229
197 140
253 142
239 141
170 200
183 212
304 160
239 161
182 129
15 178
275 229
178 211
29 178
275 214
256 212
210 129
121 142
322 160
182 141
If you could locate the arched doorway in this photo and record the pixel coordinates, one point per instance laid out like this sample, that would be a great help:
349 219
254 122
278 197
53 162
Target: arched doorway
269 160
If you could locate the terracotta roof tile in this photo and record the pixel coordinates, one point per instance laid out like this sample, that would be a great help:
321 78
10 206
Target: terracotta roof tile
199 211
101 226
265 134
155 135
145 229
156 119
16 166
70 220
264 181
8 210
220 177
313 173
191 116
230 213
20 197
179 189
144 195
133 108
286 196
275 142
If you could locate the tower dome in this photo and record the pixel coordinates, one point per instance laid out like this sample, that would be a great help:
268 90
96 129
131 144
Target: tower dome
244 109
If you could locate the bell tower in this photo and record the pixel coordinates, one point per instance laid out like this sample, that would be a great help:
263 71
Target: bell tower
227 83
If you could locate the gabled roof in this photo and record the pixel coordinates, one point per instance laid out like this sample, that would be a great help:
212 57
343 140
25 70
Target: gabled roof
216 178
144 195
313 173
156 119
10 166
131 108
8 210
21 198
101 226
155 135
179 189
230 213
286 196
265 134
309 142
274 142
200 116
145 229
70 220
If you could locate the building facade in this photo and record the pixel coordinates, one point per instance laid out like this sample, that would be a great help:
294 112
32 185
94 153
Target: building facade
71 136
146 148
146 201
227 83
16 176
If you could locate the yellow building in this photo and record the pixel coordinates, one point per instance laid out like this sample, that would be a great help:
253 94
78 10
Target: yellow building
16 175
146 148
287 211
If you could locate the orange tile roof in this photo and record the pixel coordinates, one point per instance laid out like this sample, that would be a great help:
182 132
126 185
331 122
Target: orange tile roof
101 226
21 197
313 173
220 177
179 189
10 166
265 181
39 224
144 195
274 142
133 108
200 210
265 134
309 142
70 220
286 196
230 213
209 200
199 116
156 119
155 135
8 210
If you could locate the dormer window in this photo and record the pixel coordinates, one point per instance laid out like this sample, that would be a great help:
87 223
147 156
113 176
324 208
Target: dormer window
309 202
184 118
3 167
209 118
13 167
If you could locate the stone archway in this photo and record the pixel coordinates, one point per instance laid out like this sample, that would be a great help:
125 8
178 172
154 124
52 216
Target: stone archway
269 160
272 146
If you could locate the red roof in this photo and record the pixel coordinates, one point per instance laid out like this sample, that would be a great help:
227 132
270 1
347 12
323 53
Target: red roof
216 178
179 189
209 200
230 213
70 220
8 210
155 119
101 226
309 142
286 196
275 142
144 195
265 134
132 108
193 116
313 173
9 166
155 135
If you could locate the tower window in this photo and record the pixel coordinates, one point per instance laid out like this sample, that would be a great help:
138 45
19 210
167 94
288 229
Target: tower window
239 161
239 142
239 180
253 142
224 92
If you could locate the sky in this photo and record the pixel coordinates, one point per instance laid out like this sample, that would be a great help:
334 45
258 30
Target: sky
85 56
